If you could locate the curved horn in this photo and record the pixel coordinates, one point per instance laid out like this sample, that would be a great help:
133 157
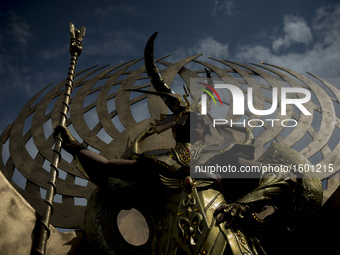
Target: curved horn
172 100
153 73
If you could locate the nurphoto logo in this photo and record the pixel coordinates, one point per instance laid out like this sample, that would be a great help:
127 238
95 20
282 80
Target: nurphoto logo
281 97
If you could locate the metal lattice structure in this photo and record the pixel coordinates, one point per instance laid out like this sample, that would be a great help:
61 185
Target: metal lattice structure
107 118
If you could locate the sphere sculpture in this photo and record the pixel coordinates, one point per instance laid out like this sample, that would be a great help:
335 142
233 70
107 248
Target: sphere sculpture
106 115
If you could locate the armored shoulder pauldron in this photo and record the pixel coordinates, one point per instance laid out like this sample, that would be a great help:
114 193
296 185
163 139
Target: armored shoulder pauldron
184 155
177 157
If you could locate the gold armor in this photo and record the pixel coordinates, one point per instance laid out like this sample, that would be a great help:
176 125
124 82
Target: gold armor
187 224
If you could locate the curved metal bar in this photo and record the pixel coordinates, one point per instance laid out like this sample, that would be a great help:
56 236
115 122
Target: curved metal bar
135 145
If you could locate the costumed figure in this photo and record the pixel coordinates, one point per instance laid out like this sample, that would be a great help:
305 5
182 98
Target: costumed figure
185 215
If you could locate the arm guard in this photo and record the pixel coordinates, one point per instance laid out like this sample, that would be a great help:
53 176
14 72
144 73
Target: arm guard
297 195
273 193
70 144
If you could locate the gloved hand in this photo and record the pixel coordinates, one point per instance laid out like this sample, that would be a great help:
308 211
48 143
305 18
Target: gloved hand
70 144
231 213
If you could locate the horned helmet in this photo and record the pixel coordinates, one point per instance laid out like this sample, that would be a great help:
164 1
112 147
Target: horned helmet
184 113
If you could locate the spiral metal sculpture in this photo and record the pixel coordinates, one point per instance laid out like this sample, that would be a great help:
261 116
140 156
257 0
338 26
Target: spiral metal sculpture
107 118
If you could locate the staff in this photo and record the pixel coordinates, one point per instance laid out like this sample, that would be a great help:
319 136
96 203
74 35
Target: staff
75 50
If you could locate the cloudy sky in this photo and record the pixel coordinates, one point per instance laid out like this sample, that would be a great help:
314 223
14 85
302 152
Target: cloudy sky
302 35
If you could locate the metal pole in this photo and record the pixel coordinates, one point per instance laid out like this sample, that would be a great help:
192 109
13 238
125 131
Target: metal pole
75 51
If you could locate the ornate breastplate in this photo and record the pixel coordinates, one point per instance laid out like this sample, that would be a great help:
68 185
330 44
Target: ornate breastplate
189 224
191 221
